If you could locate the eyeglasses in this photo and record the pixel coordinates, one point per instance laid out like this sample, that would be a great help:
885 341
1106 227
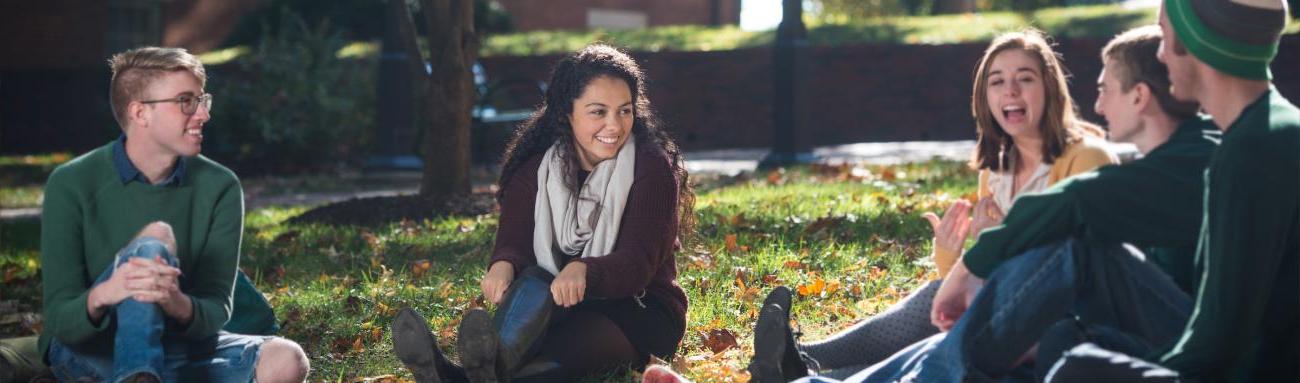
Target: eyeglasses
189 104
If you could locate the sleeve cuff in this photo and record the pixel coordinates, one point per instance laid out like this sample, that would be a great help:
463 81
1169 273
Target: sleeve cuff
88 328
977 266
594 274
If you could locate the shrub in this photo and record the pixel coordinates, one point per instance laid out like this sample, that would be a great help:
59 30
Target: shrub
291 104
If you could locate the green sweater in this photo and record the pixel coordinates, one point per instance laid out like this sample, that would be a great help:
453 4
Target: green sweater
1245 326
89 214
1153 202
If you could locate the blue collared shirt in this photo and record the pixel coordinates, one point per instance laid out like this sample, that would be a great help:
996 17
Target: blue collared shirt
127 172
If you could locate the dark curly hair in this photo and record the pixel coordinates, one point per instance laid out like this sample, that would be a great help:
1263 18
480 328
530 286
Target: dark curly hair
549 124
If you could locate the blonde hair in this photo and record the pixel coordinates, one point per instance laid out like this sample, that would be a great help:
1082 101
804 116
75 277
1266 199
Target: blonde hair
135 69
1060 126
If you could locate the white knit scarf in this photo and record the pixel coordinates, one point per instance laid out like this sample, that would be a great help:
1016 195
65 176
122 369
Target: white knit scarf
587 224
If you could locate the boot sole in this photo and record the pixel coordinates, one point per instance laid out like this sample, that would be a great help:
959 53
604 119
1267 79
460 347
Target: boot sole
478 346
769 345
414 345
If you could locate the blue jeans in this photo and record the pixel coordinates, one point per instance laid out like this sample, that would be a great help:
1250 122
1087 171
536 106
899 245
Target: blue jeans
1103 285
142 345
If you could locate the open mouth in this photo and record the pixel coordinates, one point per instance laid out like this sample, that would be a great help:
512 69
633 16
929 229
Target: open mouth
611 140
194 132
1013 113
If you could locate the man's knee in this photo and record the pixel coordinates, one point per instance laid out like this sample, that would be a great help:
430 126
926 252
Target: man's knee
162 232
282 360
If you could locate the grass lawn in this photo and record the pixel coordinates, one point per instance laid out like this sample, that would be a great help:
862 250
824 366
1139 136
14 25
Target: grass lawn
1090 21
849 239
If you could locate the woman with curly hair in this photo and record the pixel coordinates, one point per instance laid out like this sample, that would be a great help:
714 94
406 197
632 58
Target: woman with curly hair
594 201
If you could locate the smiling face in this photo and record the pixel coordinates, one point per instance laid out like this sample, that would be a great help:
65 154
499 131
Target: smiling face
164 124
1120 108
1015 93
601 119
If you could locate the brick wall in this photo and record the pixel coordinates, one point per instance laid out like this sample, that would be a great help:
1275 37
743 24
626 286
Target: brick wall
859 93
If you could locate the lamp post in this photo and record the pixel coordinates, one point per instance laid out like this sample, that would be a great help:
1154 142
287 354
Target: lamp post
788 57
395 136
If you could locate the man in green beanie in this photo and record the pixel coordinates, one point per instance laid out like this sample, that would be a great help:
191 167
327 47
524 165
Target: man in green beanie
1245 325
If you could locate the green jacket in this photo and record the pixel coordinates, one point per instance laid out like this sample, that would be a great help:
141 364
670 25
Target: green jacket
1153 202
1245 326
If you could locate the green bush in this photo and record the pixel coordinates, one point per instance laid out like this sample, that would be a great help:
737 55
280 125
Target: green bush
291 103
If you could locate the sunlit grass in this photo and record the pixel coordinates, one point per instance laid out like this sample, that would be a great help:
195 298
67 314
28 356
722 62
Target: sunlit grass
850 238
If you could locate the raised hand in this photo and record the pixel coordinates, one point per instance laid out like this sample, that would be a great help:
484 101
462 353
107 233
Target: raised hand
949 234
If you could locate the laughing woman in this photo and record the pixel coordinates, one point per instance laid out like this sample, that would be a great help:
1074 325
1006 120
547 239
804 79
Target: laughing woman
593 199
1029 138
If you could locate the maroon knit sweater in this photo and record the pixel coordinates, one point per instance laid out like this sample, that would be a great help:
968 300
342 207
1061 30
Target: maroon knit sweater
642 259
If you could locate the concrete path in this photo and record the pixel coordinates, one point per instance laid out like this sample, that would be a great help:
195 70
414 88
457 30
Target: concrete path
705 162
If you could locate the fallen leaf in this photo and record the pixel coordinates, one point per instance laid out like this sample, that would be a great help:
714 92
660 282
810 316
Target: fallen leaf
420 267
887 174
731 242
774 177
832 287
822 224
719 340
737 220
771 279
794 265
813 288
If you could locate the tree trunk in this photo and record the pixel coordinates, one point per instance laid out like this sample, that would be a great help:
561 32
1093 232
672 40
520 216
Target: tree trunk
446 90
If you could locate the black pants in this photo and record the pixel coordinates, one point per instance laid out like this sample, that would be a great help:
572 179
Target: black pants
603 335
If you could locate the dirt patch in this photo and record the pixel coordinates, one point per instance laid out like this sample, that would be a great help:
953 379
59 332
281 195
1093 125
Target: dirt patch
377 211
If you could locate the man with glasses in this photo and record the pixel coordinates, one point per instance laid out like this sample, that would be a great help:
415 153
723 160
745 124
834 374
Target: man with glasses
140 244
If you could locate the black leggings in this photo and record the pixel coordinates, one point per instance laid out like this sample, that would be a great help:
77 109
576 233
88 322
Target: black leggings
601 336
584 344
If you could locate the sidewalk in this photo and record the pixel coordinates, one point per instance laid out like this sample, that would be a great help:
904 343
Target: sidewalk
259 193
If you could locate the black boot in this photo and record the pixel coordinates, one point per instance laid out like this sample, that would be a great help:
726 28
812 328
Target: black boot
479 348
418 350
521 320
776 352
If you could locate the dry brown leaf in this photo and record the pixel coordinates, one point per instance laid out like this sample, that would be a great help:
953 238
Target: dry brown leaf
737 220
420 267
731 242
775 177
719 340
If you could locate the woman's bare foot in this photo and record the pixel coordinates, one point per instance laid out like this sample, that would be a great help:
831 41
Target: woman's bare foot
661 374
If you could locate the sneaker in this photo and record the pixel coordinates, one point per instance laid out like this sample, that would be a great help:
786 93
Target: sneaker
414 344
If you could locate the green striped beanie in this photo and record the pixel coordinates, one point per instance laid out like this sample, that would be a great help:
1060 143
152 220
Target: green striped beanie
1234 38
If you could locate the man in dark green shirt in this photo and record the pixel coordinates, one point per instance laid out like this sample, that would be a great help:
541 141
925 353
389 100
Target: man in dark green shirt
140 244
1245 326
